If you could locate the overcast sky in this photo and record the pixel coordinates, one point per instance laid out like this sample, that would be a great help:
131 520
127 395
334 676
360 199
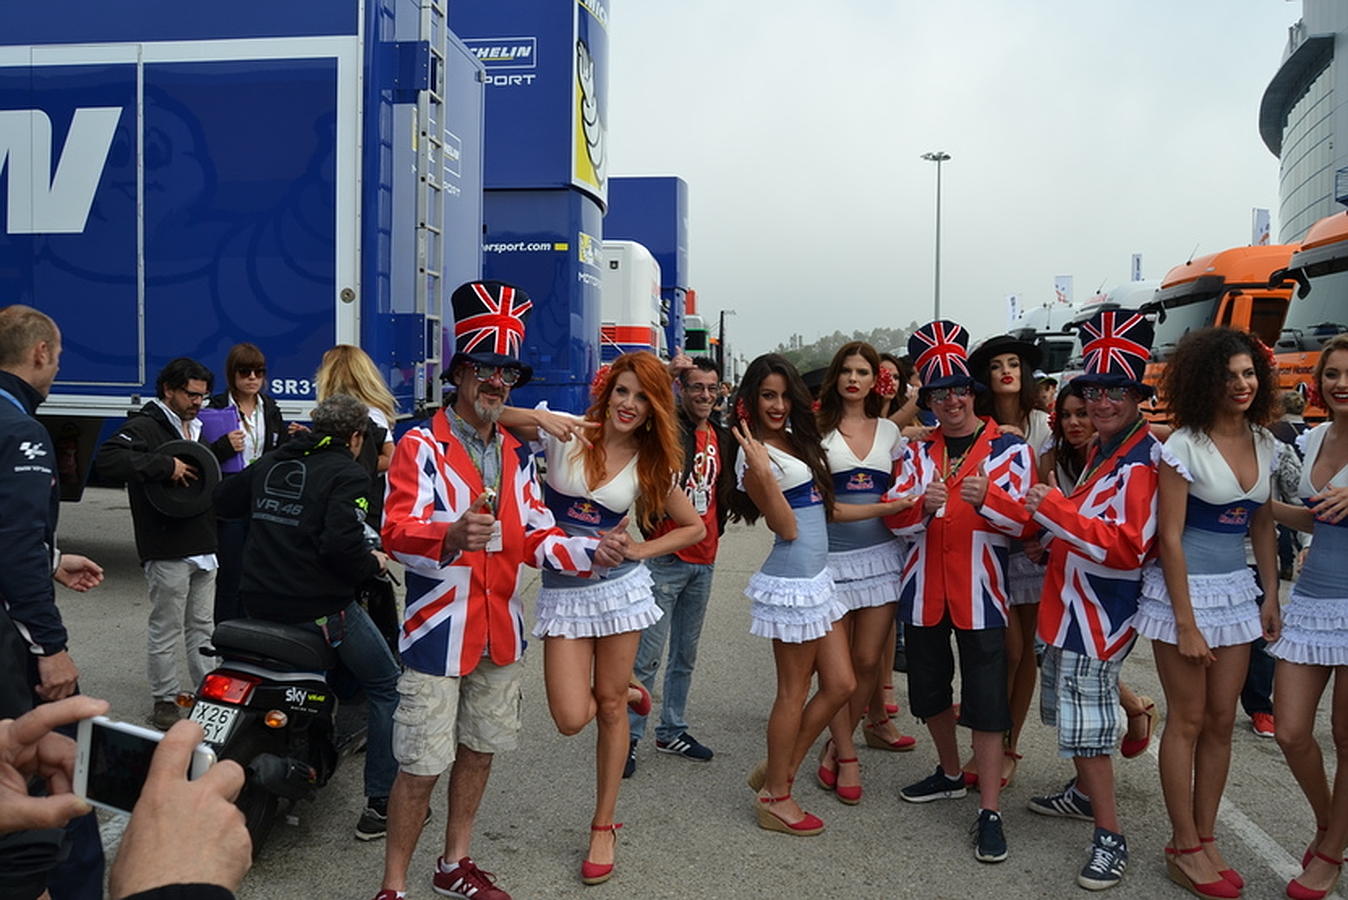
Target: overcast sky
1081 133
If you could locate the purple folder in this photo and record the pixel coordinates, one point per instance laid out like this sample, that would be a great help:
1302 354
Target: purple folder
215 424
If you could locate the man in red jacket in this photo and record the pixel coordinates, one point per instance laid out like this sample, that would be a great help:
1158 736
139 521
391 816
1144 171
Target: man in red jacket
464 514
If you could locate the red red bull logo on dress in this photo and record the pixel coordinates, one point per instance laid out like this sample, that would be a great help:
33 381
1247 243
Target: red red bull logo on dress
584 511
861 482
1236 515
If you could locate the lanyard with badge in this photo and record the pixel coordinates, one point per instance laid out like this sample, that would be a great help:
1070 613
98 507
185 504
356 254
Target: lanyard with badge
705 465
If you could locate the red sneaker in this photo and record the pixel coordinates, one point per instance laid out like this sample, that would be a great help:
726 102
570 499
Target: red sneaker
1262 723
466 882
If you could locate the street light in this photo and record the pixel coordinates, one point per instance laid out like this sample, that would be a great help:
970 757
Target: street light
938 157
720 346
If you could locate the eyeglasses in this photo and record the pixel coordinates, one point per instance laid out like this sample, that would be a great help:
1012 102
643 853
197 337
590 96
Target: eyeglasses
941 395
700 388
194 395
508 374
251 371
1094 392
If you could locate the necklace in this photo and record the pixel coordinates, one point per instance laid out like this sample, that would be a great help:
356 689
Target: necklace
951 466
1100 459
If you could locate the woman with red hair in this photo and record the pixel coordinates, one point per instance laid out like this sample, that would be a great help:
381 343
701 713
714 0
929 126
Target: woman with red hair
591 626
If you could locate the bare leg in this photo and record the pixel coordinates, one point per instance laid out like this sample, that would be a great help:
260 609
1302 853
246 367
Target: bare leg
407 804
1212 755
467 784
1095 779
941 727
567 664
833 662
795 665
1298 688
988 753
1021 677
1185 686
613 660
842 727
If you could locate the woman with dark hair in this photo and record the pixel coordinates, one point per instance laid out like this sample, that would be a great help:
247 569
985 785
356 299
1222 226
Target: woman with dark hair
864 558
591 626
782 476
261 430
1199 607
1005 364
1313 648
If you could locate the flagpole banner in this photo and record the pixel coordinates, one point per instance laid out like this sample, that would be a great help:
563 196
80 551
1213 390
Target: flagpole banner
1012 309
1259 230
1136 268
1062 288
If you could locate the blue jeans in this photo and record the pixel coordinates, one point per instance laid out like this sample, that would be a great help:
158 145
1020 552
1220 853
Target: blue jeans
366 656
1256 695
681 591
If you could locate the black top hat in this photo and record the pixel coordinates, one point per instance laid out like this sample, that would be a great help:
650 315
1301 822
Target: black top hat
489 321
980 360
183 501
1115 347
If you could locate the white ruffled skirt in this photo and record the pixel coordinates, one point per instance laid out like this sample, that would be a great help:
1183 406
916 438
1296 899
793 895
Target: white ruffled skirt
793 610
1025 579
1314 631
867 576
1224 604
599 609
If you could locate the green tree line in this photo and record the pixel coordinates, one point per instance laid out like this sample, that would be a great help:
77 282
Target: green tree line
818 353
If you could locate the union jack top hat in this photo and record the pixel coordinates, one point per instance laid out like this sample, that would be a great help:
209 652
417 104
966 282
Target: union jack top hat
489 326
1115 347
940 354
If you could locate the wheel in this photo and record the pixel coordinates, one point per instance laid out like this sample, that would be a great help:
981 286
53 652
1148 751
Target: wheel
259 808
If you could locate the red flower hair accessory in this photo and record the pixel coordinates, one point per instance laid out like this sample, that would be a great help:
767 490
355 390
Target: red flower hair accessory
741 411
1053 421
1268 353
814 407
1313 396
600 381
885 383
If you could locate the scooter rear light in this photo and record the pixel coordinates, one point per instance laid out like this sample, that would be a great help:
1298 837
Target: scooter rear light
228 687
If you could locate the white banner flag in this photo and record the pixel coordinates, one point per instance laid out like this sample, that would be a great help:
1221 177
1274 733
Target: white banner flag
1062 288
1012 310
1137 267
1259 228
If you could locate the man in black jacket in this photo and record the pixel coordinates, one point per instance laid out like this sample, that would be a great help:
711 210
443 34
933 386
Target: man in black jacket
305 556
177 553
683 579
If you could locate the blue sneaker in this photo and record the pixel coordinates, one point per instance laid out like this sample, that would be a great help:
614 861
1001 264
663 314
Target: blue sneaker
989 841
685 745
937 786
1069 804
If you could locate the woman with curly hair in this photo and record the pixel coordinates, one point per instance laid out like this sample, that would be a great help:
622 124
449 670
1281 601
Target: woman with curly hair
1200 606
1005 365
591 626
864 557
1314 643
782 477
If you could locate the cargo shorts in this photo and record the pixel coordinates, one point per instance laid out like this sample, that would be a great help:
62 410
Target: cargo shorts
1079 696
436 713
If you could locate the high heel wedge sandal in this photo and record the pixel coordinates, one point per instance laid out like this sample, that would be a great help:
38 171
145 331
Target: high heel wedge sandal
770 821
1230 875
598 873
1219 888
1298 891
1310 851
902 744
1133 747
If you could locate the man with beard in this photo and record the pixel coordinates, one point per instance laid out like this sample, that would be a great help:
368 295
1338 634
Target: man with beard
464 513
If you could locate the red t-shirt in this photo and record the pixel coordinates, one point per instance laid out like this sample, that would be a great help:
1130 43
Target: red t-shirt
701 481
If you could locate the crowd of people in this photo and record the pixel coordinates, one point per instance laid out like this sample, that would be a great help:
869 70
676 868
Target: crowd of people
948 506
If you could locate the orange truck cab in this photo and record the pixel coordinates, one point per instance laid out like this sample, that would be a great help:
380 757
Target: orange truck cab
1320 308
1230 288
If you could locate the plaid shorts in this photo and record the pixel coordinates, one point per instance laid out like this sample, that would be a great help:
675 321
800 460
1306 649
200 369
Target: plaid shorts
1080 696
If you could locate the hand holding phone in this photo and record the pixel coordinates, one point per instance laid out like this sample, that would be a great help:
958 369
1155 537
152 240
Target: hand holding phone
174 814
114 759
29 747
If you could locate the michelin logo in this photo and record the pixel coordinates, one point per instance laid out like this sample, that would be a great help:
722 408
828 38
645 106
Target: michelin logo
42 202
505 53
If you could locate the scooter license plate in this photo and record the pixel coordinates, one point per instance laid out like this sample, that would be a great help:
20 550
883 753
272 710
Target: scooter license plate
216 721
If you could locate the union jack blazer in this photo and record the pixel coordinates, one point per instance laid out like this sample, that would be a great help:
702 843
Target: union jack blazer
460 607
1103 532
957 562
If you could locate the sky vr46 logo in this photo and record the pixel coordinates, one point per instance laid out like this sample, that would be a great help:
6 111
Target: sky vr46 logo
505 53
42 201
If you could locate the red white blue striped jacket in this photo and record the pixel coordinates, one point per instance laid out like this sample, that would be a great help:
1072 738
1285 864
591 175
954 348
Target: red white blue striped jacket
1103 532
457 608
956 564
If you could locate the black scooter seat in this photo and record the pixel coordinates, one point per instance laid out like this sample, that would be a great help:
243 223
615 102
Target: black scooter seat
272 644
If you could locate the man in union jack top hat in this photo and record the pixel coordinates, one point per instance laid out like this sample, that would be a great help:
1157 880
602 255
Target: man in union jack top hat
1100 532
973 478
464 513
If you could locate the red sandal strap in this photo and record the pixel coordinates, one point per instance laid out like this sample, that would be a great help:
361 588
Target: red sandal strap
843 762
614 827
1329 859
1185 852
1013 754
774 799
877 723
1207 840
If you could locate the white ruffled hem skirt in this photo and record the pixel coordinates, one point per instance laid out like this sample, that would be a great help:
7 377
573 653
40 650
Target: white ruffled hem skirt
868 576
1224 604
604 608
793 610
1025 579
1314 631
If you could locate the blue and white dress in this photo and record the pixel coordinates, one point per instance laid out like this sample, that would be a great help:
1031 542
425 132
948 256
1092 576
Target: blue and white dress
1315 619
621 600
1222 588
864 558
1025 578
792 593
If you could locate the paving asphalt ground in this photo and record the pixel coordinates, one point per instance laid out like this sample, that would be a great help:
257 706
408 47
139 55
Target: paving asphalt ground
689 829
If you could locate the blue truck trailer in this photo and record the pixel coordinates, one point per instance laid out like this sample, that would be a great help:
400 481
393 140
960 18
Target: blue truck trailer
177 177
653 211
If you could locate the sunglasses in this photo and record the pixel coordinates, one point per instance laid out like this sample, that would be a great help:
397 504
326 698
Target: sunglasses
251 371
1094 392
194 395
941 395
508 374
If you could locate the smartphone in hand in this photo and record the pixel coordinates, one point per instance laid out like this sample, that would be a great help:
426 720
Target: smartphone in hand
113 758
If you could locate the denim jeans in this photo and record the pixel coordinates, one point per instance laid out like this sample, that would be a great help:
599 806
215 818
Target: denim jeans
366 656
681 591
1256 695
